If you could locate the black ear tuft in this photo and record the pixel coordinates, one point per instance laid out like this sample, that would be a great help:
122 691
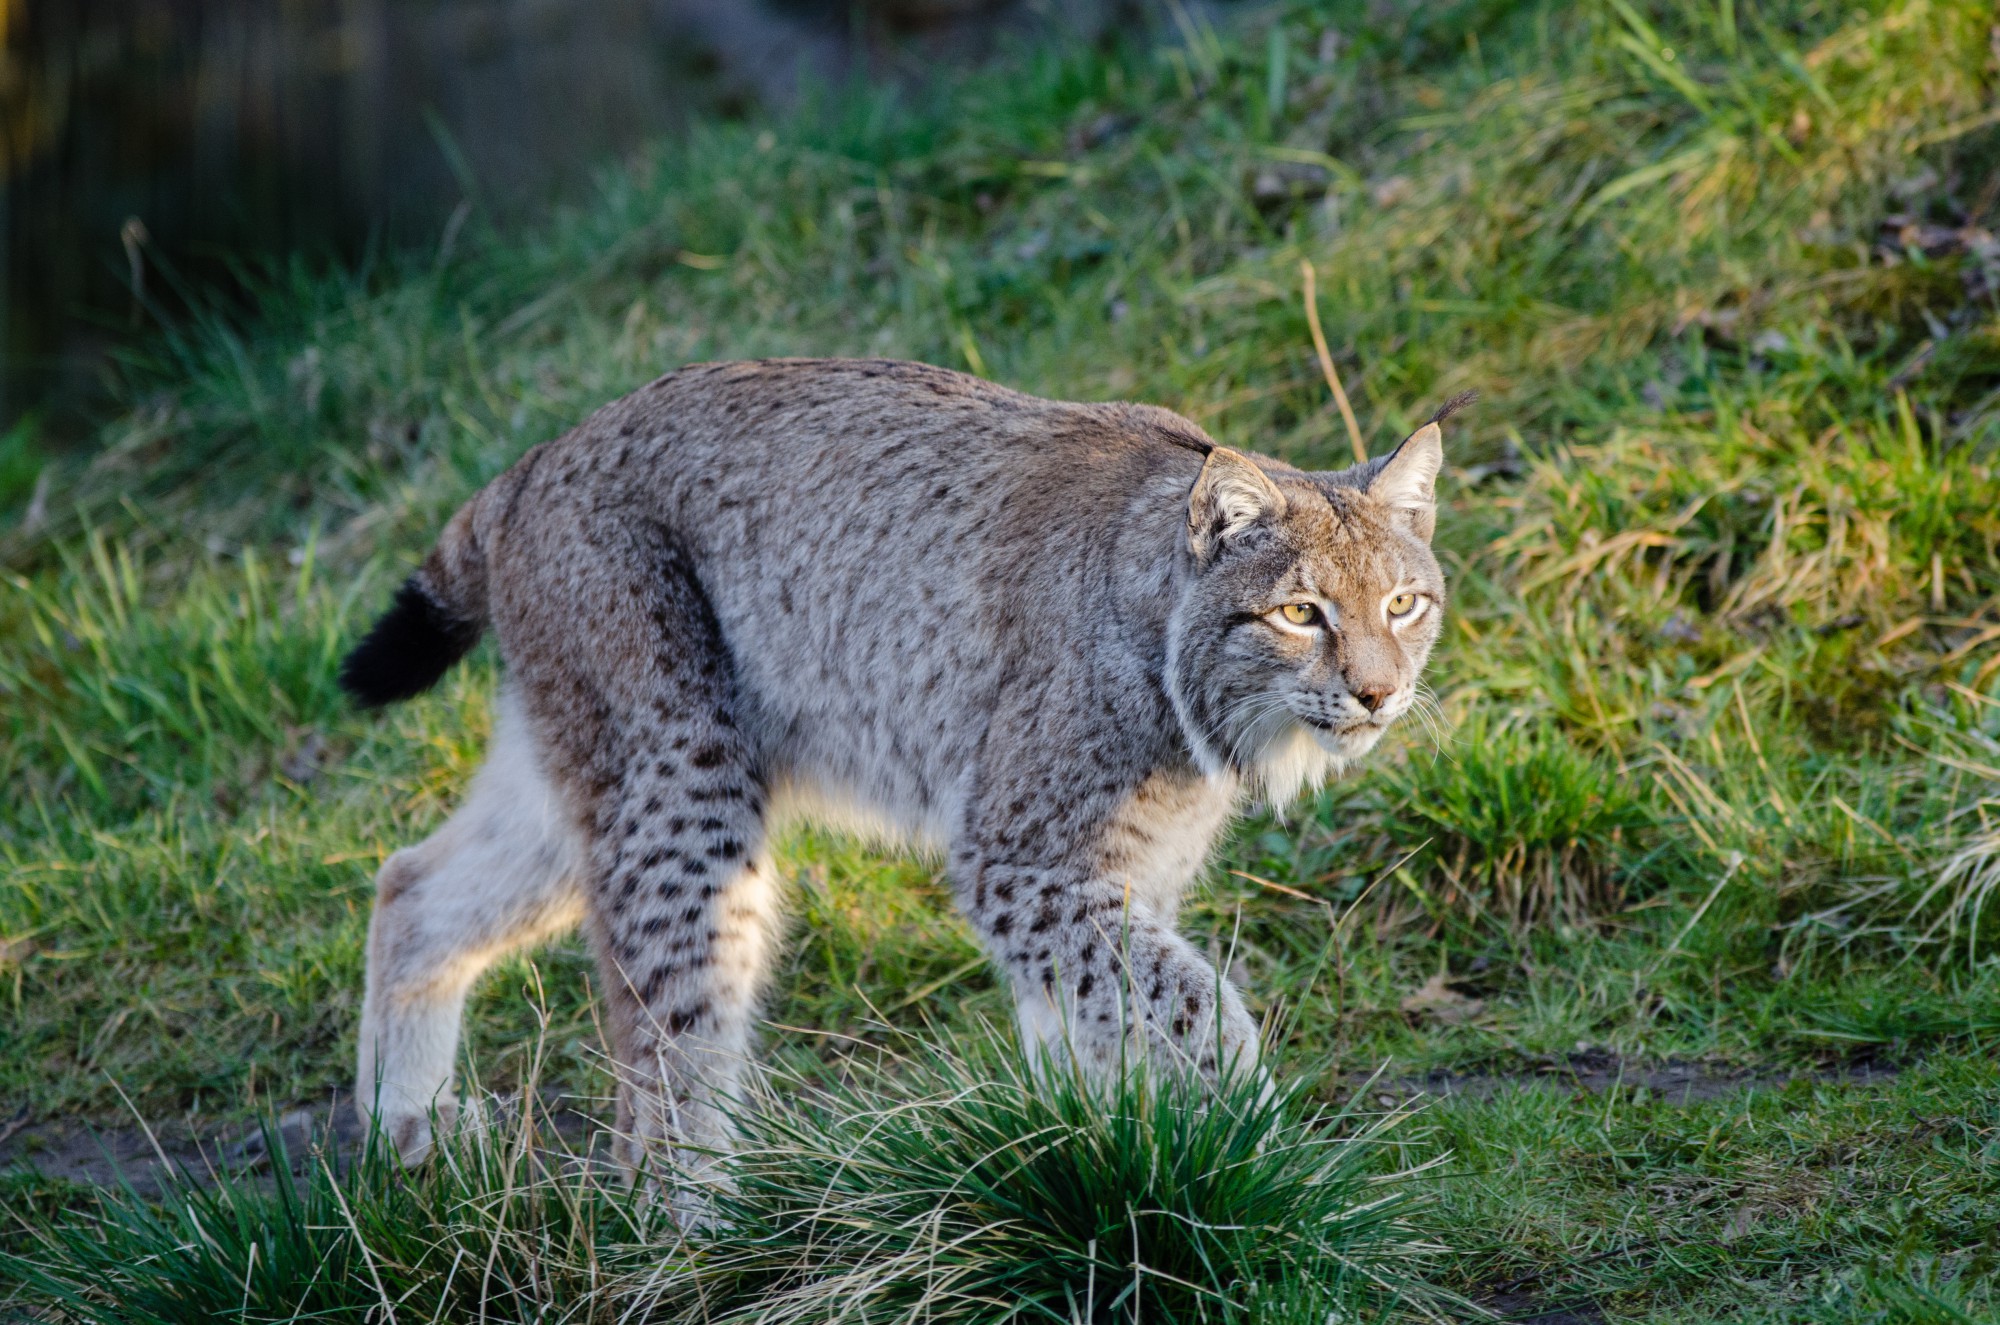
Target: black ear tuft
408 650
1453 406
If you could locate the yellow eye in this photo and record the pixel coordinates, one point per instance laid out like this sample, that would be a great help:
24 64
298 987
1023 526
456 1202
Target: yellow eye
1401 604
1300 614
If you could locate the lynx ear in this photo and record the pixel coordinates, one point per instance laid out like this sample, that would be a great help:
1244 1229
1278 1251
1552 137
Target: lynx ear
1407 480
1229 497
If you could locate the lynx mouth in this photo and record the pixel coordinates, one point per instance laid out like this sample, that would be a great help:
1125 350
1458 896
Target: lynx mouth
1345 740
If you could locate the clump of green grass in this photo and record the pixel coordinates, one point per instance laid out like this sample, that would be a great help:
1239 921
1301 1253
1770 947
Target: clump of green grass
951 1188
1516 825
1925 1291
975 1188
1959 908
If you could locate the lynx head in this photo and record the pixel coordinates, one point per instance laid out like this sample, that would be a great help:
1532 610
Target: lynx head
1308 608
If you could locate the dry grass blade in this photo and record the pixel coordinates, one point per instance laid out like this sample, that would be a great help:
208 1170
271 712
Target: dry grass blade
1326 363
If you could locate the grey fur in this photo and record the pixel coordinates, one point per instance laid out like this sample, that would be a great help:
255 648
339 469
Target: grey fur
1044 639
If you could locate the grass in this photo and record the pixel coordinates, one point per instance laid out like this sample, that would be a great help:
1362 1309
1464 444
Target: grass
1735 1206
1715 776
953 1187
1519 829
997 1193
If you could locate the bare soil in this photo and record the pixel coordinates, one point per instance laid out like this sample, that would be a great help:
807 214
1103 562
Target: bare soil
1594 1071
148 1156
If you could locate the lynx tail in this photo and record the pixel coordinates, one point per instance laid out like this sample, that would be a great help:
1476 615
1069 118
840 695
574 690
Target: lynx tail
438 615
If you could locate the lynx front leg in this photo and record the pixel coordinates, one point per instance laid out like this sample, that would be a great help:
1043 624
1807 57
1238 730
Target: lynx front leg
1109 986
498 876
1076 898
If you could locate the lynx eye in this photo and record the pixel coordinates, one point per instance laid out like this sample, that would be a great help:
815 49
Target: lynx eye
1401 604
1299 614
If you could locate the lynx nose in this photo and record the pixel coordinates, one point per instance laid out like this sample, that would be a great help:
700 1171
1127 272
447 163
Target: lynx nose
1372 697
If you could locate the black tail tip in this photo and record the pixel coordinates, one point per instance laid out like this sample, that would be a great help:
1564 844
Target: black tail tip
408 650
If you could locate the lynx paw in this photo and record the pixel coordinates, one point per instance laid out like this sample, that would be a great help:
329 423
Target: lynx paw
413 1133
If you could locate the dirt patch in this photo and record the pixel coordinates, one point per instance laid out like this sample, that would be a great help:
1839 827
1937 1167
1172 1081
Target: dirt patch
149 1156
1593 1072
1519 1308
1530 1300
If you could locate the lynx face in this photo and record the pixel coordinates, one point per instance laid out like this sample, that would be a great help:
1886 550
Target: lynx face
1314 602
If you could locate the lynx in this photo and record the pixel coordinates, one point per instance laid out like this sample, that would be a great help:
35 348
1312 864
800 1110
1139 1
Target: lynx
1060 645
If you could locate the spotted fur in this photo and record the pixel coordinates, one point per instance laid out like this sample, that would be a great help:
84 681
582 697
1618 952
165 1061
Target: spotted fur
1042 639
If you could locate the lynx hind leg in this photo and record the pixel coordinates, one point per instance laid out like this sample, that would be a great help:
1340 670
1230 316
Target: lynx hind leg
682 899
499 875
684 906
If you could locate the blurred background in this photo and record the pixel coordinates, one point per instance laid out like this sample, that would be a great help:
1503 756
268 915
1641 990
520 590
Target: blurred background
156 148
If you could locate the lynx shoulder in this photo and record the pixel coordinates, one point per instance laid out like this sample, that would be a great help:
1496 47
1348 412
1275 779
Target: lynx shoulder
1059 644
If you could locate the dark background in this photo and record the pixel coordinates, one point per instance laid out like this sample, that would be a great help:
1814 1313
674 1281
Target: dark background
158 152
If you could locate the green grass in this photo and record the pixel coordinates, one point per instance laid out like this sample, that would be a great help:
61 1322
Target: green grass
1714 774
939 1186
1708 1211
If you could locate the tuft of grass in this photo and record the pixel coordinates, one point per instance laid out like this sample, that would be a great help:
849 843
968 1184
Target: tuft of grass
120 704
1517 825
1960 908
979 1187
